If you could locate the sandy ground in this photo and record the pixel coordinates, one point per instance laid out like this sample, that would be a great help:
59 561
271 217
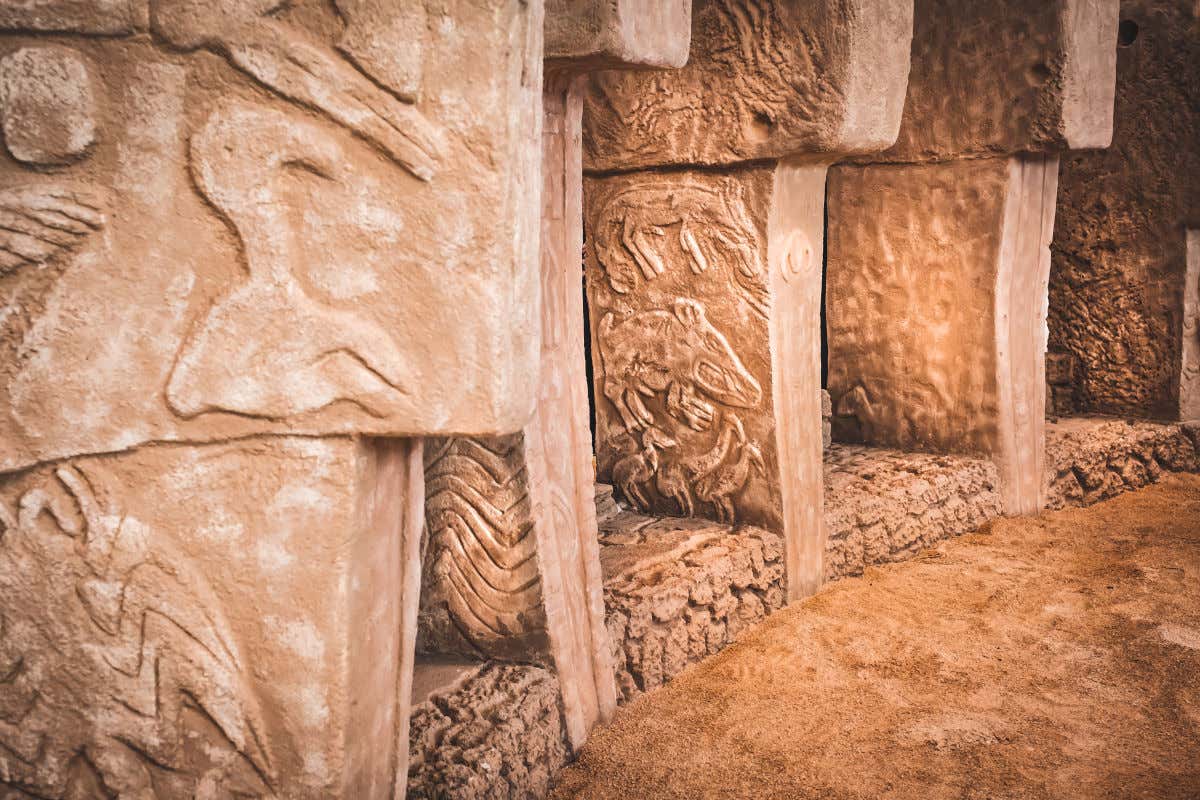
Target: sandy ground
1048 657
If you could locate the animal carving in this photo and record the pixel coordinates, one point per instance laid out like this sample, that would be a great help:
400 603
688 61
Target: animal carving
41 223
676 352
676 476
722 483
288 61
637 468
115 659
272 346
708 227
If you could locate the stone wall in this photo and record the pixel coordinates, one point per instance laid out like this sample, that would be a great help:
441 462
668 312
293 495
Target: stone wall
1119 252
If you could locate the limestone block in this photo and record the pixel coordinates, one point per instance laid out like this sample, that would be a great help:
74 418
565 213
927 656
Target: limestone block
704 293
264 237
617 33
766 79
1008 76
183 621
1117 288
936 308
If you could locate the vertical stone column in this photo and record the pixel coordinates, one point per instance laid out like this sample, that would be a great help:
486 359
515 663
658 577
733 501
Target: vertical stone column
514 553
1189 373
704 215
247 261
939 256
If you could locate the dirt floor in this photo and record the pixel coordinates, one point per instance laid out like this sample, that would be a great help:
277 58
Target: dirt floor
1048 657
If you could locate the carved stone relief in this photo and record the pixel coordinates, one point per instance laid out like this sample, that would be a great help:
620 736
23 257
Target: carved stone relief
678 289
265 223
481 588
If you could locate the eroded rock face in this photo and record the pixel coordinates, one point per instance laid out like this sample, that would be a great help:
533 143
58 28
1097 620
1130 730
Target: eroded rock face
1119 277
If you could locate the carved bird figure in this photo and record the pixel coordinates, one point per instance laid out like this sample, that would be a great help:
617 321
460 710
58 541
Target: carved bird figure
293 64
719 486
41 223
637 468
675 477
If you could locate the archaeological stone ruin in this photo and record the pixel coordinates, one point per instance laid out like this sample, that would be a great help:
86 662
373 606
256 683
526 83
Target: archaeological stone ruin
390 390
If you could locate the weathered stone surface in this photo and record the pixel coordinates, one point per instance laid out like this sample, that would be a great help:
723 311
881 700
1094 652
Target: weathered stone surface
497 734
286 246
885 505
172 627
765 80
1118 280
1008 76
47 105
617 33
74 16
1093 459
936 287
677 591
1189 370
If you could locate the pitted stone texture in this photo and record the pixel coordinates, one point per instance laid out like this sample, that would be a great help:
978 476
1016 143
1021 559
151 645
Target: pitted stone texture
886 505
765 79
679 590
497 734
1007 76
1119 253
1092 459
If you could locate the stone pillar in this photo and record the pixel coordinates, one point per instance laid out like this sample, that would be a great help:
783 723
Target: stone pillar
514 551
939 255
704 279
247 260
1189 373
1118 294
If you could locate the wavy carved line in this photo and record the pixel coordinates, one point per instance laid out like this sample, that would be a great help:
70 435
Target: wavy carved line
482 550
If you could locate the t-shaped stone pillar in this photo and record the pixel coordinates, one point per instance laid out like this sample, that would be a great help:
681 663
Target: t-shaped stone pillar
938 255
247 254
513 553
704 219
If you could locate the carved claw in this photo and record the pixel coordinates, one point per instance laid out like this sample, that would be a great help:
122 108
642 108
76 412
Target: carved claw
685 406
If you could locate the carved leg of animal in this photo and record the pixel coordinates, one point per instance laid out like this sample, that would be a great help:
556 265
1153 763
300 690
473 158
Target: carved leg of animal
122 771
637 411
685 406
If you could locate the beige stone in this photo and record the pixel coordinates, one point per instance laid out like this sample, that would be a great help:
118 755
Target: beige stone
278 244
205 621
936 306
514 569
1008 76
1189 378
938 262
704 287
267 237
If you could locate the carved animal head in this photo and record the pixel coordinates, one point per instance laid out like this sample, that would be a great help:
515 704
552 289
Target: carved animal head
713 365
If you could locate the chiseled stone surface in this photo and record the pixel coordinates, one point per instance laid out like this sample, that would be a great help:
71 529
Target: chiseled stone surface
497 734
886 505
678 590
1093 459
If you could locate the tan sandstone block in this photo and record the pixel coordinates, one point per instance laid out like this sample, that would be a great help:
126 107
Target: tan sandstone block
936 308
704 293
1008 76
261 239
765 79
188 621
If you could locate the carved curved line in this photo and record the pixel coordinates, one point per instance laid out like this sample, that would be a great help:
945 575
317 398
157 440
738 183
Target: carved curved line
460 606
499 554
522 595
